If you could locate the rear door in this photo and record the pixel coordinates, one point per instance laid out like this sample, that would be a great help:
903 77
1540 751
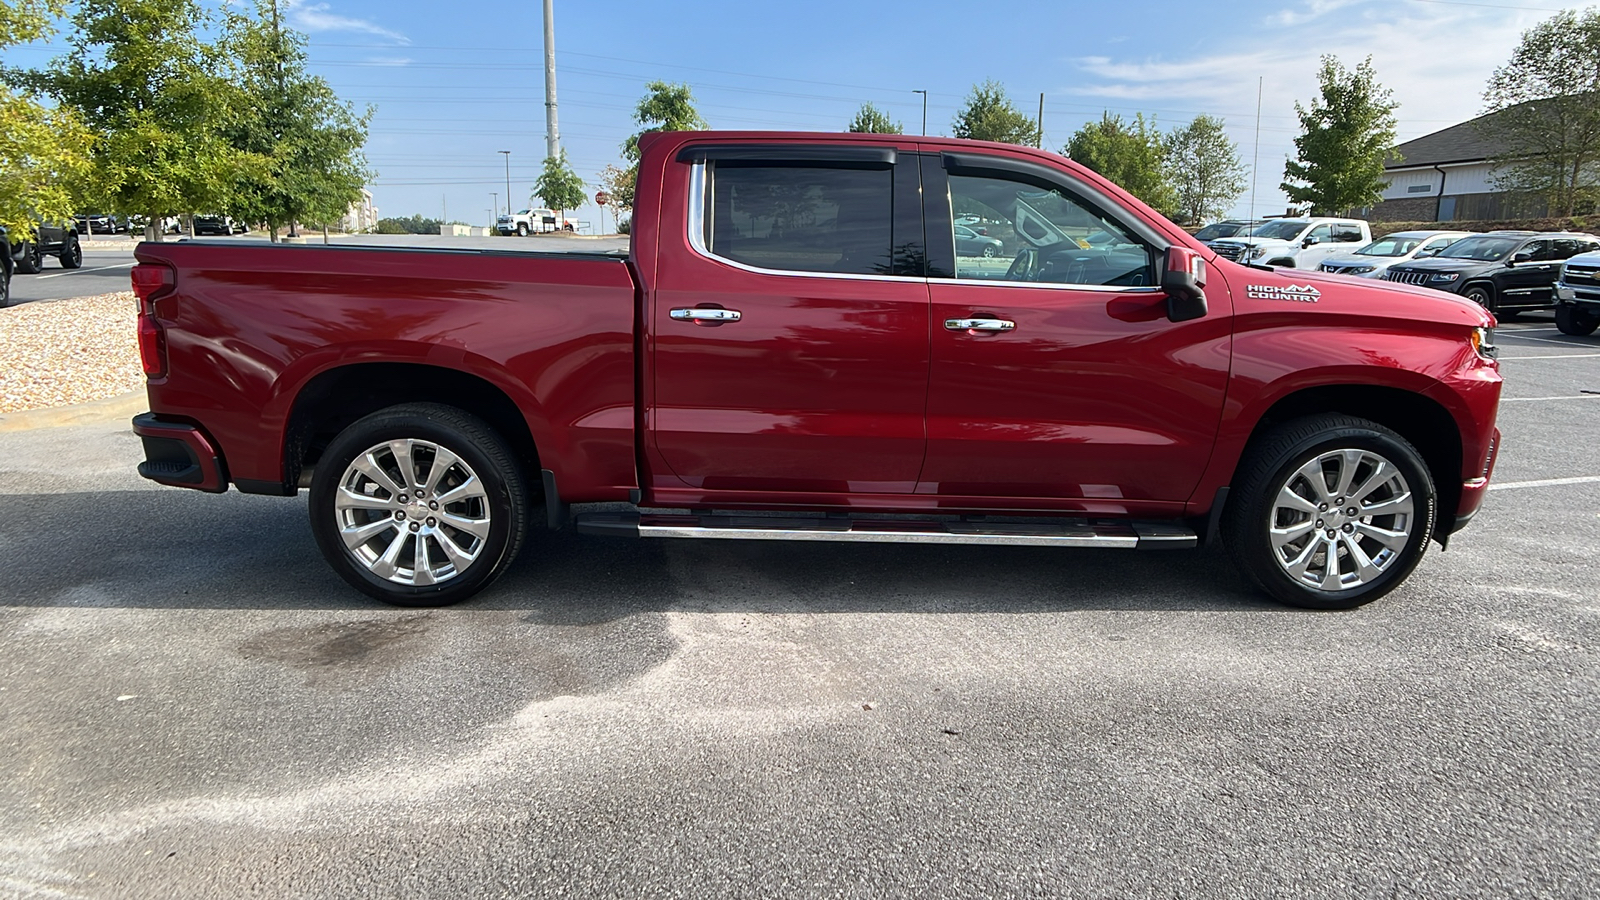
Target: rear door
1056 376
791 334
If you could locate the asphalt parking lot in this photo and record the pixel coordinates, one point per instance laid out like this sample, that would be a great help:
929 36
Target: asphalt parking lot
193 705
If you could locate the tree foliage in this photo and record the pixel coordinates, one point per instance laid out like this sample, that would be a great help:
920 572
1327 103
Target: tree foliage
989 115
305 145
664 107
1131 154
1204 169
140 77
416 224
619 183
1546 105
44 162
1346 134
872 120
558 186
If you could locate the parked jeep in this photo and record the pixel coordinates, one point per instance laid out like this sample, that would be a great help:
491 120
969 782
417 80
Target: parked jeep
1505 272
49 239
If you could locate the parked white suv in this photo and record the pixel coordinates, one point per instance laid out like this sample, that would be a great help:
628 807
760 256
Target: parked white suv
534 221
1375 258
1295 243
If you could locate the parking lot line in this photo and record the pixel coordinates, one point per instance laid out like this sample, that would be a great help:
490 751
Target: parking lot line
83 271
1567 343
1562 397
1554 356
1546 482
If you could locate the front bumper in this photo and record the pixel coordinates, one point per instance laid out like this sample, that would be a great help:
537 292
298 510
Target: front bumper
179 455
1473 491
1586 298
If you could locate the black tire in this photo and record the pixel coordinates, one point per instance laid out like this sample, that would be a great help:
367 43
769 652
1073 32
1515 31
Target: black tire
1574 321
485 452
1484 295
71 254
522 229
1270 466
5 289
31 262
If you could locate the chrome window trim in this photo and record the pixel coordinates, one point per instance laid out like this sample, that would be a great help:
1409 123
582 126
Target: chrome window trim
698 185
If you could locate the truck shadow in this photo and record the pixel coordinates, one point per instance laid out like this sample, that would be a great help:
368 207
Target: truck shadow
177 550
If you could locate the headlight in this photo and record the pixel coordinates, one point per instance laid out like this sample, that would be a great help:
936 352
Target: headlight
1444 276
1255 253
1483 343
1359 270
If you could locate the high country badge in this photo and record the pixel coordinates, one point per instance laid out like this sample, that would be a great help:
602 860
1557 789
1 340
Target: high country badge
1299 293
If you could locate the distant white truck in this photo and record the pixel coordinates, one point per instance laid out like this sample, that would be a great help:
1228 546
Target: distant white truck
1299 243
534 221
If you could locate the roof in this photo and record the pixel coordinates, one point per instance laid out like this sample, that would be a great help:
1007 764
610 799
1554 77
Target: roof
1456 144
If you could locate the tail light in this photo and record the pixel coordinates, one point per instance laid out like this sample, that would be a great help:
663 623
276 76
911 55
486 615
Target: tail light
150 282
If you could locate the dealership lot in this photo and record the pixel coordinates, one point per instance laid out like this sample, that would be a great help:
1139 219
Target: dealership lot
192 704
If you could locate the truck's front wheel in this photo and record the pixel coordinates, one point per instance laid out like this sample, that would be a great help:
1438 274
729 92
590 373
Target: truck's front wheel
419 505
1574 321
1331 512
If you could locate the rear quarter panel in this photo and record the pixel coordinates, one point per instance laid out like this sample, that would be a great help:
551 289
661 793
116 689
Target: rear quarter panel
248 326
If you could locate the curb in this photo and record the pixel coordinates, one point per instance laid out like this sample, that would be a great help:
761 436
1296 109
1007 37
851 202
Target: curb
122 408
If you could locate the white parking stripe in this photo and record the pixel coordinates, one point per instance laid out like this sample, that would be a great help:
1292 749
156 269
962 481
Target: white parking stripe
1547 482
1567 343
1554 356
1536 399
82 271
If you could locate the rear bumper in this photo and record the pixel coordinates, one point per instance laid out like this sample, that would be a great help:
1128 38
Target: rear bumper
179 455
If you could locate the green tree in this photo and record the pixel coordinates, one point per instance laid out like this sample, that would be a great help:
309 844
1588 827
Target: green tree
665 107
619 183
872 120
1346 134
989 115
417 224
1204 169
308 142
1130 154
558 186
140 76
44 162
1546 106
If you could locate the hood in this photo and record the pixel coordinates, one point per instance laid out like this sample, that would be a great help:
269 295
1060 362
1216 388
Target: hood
1253 242
1447 264
1325 293
1351 259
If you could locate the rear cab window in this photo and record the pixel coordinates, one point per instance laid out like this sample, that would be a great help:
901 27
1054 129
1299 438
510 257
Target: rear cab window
800 217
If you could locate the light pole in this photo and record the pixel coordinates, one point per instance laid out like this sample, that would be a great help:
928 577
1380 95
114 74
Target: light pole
508 180
924 110
496 196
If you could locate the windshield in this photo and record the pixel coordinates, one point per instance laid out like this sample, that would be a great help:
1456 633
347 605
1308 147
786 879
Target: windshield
523 212
1390 246
1219 230
1281 230
1484 249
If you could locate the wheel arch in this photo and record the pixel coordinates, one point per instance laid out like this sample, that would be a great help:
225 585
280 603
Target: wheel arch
1420 419
334 398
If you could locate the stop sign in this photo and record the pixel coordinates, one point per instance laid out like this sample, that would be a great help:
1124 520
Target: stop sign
602 198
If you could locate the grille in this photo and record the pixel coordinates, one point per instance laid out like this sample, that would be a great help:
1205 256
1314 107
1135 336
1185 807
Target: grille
1582 275
1230 252
1406 277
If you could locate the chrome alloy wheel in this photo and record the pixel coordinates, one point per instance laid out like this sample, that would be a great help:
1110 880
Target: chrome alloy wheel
412 512
1341 520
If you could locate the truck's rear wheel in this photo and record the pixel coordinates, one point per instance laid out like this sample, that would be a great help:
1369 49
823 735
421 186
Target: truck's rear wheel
71 254
1331 512
31 262
419 505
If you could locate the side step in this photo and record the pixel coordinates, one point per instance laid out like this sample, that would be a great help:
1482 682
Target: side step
1126 535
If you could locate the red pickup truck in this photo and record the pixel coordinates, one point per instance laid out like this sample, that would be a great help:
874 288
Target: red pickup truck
801 344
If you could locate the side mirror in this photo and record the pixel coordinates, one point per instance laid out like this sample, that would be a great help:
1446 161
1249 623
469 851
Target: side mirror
1309 241
1184 280
1424 254
1521 257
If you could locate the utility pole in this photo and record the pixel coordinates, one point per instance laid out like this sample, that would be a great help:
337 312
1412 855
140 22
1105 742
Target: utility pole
496 210
924 110
552 135
508 180
1039 124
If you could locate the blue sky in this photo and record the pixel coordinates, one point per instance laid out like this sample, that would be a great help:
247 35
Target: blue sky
452 85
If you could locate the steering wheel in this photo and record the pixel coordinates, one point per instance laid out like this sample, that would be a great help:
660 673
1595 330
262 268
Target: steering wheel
1022 268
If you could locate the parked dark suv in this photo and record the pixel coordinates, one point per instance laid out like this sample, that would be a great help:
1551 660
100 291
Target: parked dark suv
1506 272
60 241
6 265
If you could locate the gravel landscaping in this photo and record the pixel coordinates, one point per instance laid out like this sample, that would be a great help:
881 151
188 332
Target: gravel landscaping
68 351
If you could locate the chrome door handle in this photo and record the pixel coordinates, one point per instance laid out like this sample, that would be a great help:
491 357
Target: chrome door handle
988 326
715 316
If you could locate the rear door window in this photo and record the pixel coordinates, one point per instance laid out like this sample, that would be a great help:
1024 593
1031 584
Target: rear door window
802 218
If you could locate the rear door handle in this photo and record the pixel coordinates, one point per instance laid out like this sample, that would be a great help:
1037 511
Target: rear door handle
707 316
980 326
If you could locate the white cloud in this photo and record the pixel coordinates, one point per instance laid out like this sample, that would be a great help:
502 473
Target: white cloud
314 17
388 60
1435 58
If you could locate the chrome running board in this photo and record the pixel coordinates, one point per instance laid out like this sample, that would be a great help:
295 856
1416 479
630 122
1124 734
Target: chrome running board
1127 535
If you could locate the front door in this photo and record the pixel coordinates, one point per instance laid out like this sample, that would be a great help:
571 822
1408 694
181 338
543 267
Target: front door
790 339
1055 372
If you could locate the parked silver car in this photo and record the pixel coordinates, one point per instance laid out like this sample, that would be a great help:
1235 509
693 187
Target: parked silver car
1375 258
